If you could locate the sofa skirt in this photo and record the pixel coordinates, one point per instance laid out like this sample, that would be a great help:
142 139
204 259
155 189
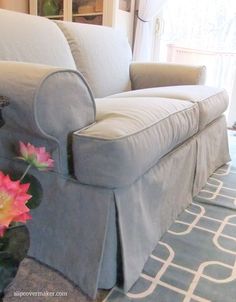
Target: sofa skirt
148 207
82 230
212 151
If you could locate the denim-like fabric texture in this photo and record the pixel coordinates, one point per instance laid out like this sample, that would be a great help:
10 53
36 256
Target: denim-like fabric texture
68 230
195 259
76 228
210 153
212 101
129 137
101 54
150 74
27 38
46 102
148 207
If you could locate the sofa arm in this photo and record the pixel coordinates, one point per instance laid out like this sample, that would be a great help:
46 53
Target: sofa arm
45 102
148 75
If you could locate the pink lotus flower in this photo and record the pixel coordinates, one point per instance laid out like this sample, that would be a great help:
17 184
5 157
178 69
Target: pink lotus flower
37 157
2 230
13 199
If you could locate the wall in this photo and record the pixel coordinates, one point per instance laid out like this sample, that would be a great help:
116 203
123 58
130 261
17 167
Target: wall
17 5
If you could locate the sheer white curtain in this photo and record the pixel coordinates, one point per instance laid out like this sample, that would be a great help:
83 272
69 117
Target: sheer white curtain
232 107
147 10
208 27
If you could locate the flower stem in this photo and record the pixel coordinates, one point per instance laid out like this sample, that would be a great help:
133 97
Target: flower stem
26 171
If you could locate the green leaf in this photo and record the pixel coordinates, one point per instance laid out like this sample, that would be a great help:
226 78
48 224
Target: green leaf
35 190
3 243
17 238
8 270
13 249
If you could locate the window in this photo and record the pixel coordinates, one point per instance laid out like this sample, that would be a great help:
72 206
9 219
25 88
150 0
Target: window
201 32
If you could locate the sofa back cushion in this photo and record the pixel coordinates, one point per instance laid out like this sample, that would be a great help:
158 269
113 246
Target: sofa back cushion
101 54
27 38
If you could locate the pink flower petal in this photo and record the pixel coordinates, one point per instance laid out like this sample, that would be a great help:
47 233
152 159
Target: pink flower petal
2 230
23 150
22 217
36 156
13 199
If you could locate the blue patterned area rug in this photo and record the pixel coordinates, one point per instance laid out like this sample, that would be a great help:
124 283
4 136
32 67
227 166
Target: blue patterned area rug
195 261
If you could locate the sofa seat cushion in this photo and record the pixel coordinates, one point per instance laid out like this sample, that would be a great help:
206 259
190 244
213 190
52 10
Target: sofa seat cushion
129 137
212 101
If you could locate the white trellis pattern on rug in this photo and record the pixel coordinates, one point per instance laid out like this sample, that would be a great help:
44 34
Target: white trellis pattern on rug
196 259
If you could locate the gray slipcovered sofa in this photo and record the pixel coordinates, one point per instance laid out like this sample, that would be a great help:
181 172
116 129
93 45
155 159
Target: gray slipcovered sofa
132 143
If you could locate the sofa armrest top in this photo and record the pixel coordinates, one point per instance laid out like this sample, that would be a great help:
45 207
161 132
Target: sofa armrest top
148 75
44 100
